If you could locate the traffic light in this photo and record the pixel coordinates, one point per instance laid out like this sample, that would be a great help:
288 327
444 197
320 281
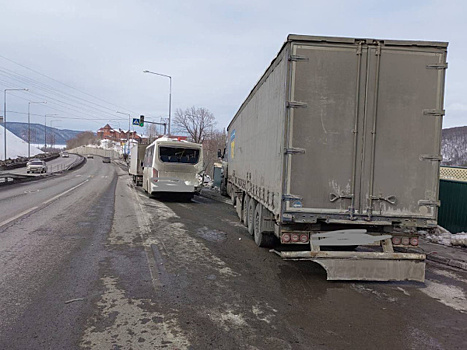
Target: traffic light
141 120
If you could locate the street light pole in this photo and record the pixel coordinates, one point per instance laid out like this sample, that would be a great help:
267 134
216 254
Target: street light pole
45 131
29 126
52 139
170 92
4 116
129 124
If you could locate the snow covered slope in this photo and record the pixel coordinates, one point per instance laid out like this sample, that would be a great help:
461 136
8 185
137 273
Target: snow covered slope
15 147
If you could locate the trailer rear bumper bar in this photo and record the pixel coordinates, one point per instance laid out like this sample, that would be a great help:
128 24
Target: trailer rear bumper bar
365 266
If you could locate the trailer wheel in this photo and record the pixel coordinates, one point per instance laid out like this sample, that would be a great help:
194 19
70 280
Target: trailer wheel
263 240
251 215
246 201
239 208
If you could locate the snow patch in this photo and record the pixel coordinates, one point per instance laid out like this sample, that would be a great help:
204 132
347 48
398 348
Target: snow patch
227 319
262 314
442 236
129 325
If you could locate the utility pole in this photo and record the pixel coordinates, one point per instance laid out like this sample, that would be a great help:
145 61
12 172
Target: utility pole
170 93
4 116
129 129
45 131
29 126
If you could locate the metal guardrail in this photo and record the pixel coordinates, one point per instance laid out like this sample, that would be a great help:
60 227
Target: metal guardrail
10 178
21 162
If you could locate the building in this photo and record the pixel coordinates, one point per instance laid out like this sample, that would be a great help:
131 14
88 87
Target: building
109 133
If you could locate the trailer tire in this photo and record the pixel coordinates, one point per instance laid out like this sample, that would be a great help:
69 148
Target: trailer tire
251 215
246 201
239 208
262 240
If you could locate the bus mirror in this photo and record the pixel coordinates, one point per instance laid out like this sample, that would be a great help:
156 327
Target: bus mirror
219 153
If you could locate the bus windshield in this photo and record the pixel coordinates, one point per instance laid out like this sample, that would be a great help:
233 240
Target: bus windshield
179 155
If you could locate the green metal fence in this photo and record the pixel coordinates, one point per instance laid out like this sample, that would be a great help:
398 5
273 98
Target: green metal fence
452 214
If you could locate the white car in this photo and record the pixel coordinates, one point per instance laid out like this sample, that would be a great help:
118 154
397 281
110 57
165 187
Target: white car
36 166
65 155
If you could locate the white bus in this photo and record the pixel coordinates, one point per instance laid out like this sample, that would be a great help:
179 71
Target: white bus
172 166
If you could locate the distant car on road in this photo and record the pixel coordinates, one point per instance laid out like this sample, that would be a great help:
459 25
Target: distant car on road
65 155
36 166
90 156
105 159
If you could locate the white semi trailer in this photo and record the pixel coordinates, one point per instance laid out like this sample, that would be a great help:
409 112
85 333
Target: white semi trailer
338 145
136 163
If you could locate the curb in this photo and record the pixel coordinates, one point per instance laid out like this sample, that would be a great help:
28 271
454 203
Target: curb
460 264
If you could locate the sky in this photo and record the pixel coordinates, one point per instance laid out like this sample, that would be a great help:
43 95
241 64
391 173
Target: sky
86 58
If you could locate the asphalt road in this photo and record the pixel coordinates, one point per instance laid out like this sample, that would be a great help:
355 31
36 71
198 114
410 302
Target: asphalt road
89 262
54 165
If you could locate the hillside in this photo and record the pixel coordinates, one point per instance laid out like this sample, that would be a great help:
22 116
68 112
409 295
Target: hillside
454 146
15 146
54 135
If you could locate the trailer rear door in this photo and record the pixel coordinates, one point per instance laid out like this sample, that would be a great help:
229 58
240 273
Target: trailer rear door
364 128
400 175
323 111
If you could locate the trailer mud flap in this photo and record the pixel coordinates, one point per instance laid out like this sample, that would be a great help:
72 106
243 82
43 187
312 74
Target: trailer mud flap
365 266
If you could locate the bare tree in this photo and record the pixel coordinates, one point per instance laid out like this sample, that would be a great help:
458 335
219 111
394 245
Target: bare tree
151 132
82 139
197 122
214 141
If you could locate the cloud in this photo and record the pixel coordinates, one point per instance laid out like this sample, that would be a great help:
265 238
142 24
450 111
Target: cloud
215 51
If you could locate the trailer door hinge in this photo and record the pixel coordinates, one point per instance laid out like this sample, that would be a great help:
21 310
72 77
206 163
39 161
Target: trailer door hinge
291 197
296 58
293 150
437 66
334 197
429 203
295 104
435 112
390 199
431 157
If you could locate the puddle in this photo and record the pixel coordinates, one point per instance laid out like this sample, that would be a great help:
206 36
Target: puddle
211 235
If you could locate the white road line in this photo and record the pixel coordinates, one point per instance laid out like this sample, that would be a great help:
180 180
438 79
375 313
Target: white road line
34 208
63 193
17 216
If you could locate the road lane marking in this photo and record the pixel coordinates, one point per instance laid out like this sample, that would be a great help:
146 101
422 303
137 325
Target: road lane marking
34 208
32 191
17 216
63 193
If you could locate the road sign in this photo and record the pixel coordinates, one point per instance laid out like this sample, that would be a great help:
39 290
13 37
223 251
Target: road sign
135 121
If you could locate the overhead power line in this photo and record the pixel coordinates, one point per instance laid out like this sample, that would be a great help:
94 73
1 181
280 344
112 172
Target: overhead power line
61 83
